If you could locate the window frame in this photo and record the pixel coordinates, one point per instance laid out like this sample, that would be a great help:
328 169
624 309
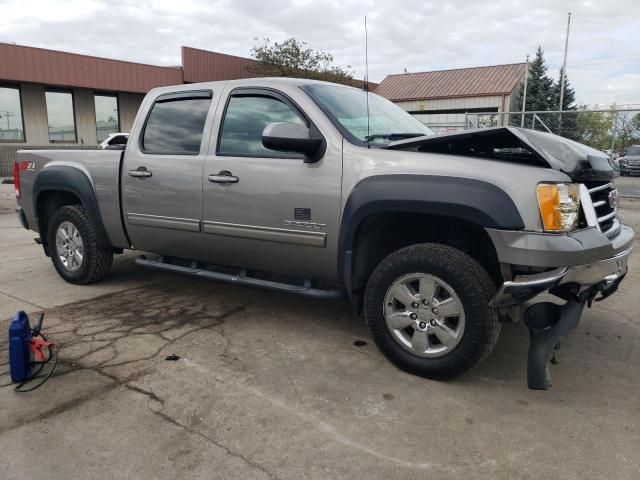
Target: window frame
73 111
268 93
174 97
18 87
106 94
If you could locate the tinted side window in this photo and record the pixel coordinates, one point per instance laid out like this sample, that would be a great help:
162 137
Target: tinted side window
176 126
245 119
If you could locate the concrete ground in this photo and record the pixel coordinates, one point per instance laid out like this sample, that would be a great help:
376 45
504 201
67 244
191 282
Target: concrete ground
270 385
628 186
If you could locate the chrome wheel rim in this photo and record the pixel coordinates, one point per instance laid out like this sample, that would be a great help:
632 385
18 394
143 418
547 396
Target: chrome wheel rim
69 246
424 315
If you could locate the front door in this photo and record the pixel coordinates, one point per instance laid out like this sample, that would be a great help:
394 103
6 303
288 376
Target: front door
269 210
162 175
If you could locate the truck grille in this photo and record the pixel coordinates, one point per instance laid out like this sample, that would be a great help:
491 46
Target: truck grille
605 202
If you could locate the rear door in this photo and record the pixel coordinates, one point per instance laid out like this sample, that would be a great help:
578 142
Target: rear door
162 174
273 211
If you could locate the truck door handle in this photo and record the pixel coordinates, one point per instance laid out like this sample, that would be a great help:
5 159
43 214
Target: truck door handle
224 176
140 172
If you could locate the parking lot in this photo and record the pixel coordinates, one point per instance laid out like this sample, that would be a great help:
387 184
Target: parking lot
629 186
270 385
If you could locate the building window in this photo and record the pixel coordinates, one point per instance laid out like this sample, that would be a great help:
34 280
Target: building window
106 116
61 120
11 126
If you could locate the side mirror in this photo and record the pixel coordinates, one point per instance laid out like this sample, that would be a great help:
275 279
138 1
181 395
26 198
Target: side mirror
116 146
294 137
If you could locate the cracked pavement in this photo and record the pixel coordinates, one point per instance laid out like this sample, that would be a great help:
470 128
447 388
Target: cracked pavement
270 385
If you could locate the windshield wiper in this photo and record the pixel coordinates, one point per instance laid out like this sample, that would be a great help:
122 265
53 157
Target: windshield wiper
392 136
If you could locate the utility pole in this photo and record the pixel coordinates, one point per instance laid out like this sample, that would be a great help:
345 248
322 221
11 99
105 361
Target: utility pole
524 96
564 63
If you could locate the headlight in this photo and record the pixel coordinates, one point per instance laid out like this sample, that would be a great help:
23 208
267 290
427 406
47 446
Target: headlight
559 206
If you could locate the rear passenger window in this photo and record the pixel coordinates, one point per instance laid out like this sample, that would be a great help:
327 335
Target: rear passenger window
244 121
175 126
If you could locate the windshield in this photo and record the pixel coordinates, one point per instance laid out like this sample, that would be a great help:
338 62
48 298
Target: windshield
347 109
633 151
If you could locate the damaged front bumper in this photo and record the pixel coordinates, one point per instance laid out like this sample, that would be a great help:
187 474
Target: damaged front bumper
585 259
604 275
592 265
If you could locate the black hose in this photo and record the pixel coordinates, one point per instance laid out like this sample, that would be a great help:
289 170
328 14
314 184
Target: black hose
53 355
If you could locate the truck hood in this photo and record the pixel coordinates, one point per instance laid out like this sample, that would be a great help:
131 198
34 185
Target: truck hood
520 145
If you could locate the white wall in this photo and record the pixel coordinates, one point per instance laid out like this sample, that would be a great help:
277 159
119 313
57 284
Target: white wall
444 122
128 103
34 114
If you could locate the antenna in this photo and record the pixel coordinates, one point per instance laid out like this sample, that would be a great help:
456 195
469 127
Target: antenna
365 84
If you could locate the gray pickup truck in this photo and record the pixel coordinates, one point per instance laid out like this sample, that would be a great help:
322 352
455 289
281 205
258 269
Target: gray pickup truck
330 191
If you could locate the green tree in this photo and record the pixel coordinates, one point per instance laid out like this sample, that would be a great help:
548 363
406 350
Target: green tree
569 98
292 58
540 94
627 131
594 128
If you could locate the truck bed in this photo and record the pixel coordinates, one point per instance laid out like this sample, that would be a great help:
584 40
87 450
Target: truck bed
100 167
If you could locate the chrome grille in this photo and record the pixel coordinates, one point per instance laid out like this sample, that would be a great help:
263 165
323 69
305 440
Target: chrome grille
606 210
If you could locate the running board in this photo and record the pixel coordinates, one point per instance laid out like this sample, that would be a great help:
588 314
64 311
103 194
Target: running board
241 278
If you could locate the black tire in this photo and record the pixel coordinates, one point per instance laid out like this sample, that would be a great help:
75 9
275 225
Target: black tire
96 262
472 285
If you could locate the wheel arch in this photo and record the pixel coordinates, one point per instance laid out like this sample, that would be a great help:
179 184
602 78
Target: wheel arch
61 185
457 207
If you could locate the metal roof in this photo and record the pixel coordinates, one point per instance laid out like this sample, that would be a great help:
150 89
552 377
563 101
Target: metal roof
204 66
19 63
461 82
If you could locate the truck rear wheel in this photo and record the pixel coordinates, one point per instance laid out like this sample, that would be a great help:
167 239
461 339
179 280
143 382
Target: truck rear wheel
427 307
74 249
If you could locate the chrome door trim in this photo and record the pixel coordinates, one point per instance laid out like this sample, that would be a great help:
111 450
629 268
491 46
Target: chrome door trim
174 223
270 234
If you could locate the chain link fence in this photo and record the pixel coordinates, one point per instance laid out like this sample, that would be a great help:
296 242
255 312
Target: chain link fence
611 131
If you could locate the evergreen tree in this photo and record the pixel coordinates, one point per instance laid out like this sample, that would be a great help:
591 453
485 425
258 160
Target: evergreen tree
569 98
540 93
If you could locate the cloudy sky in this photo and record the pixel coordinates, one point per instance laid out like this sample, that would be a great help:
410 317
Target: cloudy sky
419 35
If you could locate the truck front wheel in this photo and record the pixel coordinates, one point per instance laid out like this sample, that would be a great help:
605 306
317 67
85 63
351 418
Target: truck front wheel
74 249
427 307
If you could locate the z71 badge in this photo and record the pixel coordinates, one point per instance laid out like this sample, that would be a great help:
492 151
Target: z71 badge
27 166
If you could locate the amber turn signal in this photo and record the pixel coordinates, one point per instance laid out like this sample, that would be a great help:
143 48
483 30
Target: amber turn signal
559 206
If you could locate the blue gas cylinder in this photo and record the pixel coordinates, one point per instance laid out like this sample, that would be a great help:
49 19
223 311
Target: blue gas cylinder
19 341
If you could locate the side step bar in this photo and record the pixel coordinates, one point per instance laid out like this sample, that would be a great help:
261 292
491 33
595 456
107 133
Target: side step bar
241 278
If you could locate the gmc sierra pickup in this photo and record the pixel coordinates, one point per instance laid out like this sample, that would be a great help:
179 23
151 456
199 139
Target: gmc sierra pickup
330 191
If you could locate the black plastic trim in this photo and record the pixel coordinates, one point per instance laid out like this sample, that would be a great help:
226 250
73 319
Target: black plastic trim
475 201
241 278
72 180
121 198
184 95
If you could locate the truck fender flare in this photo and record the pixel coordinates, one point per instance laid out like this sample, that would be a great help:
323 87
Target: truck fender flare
69 179
476 201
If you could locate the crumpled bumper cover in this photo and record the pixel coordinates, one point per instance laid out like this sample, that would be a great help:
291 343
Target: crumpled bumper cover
605 273
583 265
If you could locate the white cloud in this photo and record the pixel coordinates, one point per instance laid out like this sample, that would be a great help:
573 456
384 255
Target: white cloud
604 54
